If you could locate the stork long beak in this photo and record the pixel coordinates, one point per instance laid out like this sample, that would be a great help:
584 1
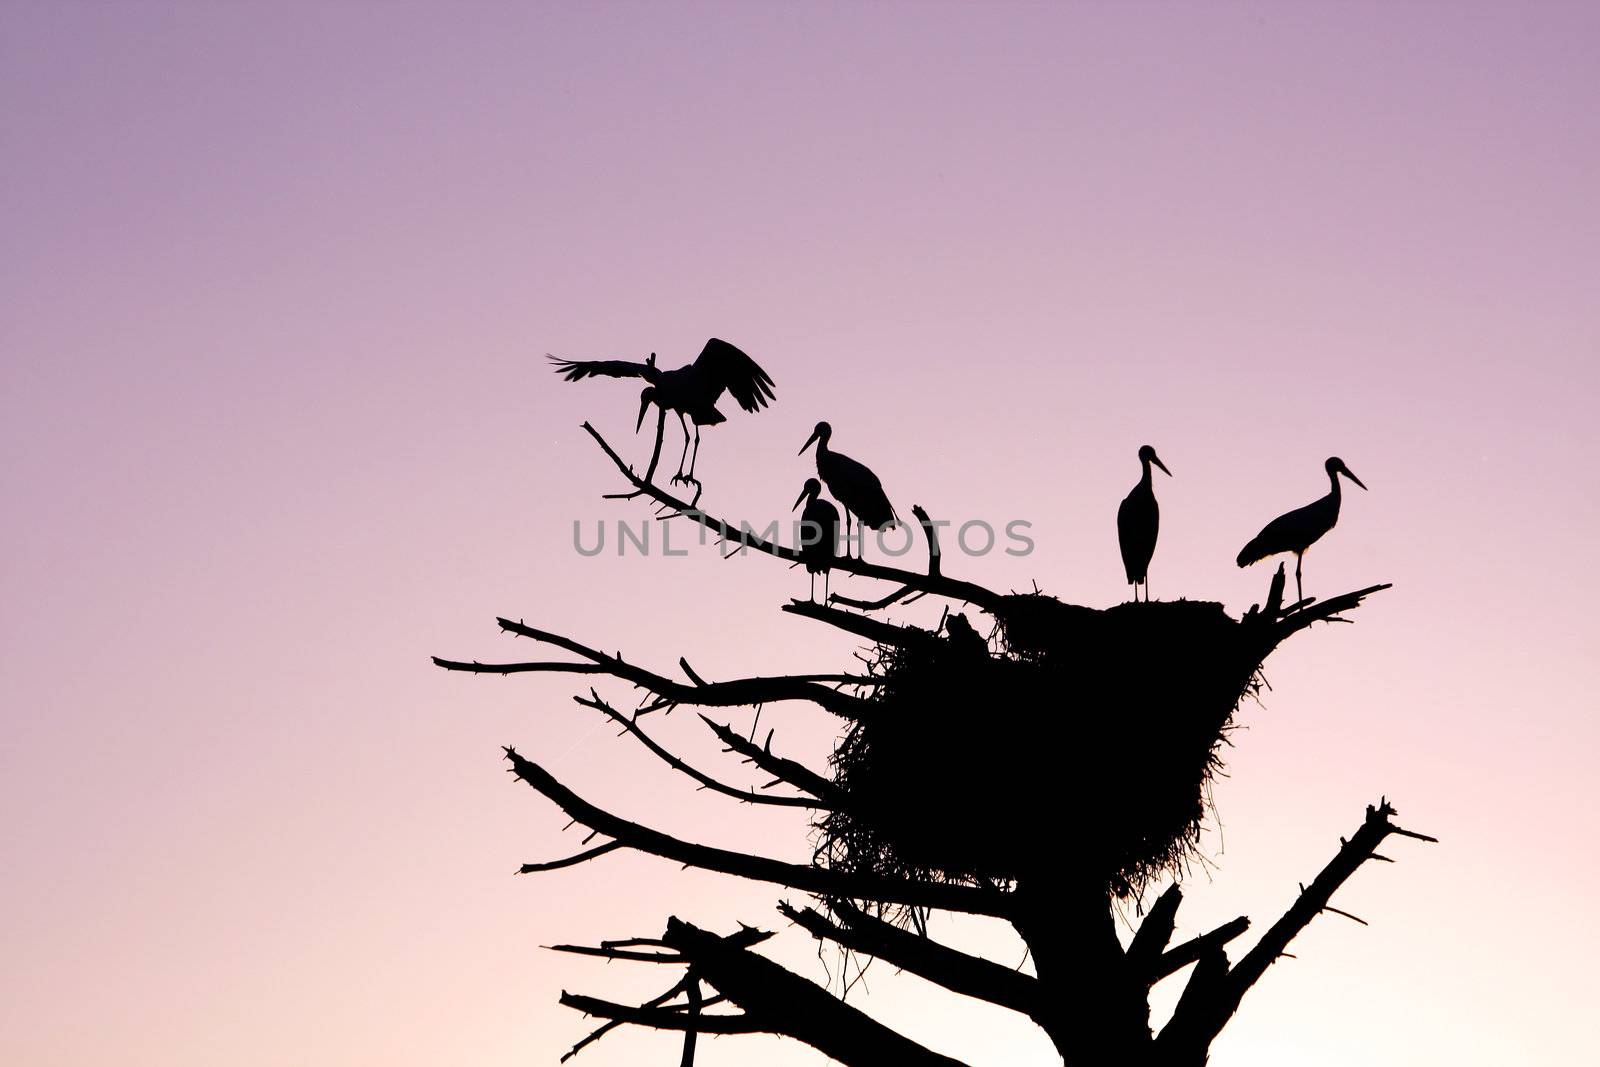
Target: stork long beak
801 499
1157 461
644 406
1349 474
807 445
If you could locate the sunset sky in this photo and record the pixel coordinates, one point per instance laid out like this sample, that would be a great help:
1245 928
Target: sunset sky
278 283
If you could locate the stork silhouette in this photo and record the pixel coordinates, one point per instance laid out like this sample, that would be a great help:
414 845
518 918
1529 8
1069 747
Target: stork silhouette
852 484
819 535
1138 521
691 391
1299 529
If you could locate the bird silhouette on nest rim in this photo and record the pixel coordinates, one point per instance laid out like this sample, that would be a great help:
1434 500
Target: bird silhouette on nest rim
1296 531
1138 523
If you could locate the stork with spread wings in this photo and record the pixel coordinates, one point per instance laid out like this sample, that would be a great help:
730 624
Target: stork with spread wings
691 391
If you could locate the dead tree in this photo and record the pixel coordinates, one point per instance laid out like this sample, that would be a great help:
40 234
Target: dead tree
1006 716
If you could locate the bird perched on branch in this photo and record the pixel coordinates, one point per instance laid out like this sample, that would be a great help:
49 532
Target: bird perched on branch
1299 529
851 484
1138 520
818 538
691 391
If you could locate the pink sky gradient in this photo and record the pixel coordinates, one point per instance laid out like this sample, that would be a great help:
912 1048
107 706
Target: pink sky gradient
278 281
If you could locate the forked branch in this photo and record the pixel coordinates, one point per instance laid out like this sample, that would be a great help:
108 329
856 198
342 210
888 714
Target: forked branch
775 1000
630 725
738 693
1215 989
1151 960
772 1000
956 971
804 877
798 775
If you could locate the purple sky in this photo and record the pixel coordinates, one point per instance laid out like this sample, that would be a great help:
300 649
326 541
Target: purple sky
278 282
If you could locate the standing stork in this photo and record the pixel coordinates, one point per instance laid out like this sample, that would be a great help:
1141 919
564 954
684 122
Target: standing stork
691 391
1138 520
852 485
818 538
1299 529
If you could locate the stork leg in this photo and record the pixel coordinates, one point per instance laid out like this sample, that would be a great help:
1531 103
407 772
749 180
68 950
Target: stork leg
1299 594
695 455
655 454
683 458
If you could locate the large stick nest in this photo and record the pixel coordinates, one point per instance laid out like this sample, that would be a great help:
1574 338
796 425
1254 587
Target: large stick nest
1082 742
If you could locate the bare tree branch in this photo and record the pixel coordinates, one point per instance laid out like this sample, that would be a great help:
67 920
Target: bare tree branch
696 1002
784 1003
1148 956
796 774
956 971
748 796
570 861
475 667
1214 992
1184 1041
772 999
836 679
1314 898
875 630
1180 956
1155 931
661 1018
872 605
1301 615
930 530
609 953
602 1031
806 878
738 693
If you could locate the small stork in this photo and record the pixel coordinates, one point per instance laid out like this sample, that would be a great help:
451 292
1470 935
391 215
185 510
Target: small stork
818 539
964 640
1138 520
691 391
852 484
1299 529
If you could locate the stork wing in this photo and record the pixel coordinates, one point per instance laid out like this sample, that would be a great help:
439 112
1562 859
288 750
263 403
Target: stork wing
726 367
575 370
1293 531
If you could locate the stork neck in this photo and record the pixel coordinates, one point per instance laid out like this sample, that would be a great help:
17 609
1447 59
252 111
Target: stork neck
1144 480
1334 493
